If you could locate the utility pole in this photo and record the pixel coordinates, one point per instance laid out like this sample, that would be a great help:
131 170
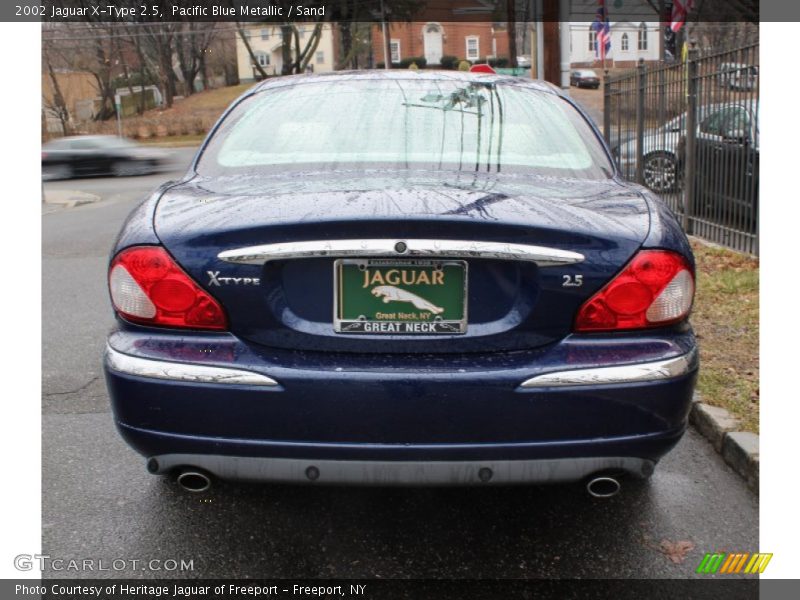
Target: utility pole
511 25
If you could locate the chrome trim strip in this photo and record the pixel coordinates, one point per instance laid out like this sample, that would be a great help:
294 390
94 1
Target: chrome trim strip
415 248
367 472
635 373
174 371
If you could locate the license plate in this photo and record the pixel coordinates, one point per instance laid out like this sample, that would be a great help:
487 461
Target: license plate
391 297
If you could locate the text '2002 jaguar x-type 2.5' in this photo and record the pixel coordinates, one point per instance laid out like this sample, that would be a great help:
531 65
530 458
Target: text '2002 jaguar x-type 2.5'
402 278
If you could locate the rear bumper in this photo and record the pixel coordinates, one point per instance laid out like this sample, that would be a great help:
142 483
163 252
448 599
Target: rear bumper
373 472
553 414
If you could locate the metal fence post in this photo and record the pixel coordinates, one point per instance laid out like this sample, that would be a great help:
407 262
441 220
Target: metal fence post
607 108
691 139
641 75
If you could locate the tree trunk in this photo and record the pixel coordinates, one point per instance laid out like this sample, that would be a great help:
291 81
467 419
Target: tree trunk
286 49
310 49
249 48
346 35
296 61
143 76
58 105
387 44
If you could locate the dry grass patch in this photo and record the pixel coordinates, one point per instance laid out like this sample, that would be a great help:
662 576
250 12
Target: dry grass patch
188 118
215 100
725 319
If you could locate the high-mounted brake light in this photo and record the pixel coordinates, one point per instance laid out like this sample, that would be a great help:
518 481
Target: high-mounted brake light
482 68
147 286
656 288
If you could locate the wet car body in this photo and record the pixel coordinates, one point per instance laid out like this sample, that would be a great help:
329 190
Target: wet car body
280 394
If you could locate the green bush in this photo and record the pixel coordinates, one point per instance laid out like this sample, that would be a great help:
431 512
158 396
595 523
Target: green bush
420 61
449 61
464 65
498 62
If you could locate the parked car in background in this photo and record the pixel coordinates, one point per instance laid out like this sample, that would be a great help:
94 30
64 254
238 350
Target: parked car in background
378 277
737 76
661 167
726 166
524 62
81 156
585 78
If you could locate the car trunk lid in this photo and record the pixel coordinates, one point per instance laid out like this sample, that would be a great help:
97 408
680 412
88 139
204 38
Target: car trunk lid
510 302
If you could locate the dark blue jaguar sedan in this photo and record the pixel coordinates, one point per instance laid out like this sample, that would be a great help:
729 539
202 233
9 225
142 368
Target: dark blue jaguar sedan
405 278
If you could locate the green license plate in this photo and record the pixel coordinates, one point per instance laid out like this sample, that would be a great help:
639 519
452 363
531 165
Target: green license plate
391 297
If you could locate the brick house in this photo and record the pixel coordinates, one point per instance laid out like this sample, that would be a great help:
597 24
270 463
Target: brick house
471 41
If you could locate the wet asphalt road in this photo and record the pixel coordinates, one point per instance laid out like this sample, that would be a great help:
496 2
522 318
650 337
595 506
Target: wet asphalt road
99 502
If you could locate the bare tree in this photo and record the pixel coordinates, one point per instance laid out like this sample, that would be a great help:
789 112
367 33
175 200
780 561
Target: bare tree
355 43
132 45
191 43
158 43
303 57
245 37
54 103
221 58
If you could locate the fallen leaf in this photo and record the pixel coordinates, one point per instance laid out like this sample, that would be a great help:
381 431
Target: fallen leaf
675 551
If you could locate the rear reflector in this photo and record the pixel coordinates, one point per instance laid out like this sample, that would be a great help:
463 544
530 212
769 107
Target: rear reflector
655 289
147 286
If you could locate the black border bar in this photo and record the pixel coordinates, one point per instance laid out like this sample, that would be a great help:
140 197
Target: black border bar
64 11
416 589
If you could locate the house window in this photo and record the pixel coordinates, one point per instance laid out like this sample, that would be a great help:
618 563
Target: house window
263 59
592 40
642 37
473 47
624 44
320 58
394 49
265 34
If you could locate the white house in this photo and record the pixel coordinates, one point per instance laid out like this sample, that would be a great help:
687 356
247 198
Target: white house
266 41
629 43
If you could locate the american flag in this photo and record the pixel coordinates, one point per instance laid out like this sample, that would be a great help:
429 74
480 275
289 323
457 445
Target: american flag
602 44
679 10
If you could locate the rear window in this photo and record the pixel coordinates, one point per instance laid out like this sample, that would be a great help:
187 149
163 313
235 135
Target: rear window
428 124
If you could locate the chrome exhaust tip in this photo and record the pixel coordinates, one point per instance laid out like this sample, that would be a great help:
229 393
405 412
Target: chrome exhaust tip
603 486
194 481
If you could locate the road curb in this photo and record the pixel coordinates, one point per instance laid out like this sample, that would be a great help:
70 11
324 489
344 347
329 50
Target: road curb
69 198
739 449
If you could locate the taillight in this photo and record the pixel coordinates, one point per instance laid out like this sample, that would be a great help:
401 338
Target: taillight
656 288
147 286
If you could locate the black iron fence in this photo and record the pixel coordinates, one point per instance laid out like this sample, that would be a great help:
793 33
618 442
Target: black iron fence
689 131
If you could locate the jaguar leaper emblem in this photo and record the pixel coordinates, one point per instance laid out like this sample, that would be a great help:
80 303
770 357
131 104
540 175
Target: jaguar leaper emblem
390 293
